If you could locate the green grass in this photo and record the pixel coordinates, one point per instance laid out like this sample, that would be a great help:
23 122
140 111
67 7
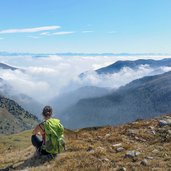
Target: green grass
15 141
18 141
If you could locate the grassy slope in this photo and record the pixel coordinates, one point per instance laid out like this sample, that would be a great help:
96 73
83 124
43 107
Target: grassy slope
92 149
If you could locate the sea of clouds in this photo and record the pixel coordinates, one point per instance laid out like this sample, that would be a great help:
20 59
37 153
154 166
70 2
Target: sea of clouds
44 78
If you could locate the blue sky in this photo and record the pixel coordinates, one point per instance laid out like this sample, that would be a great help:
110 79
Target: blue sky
90 26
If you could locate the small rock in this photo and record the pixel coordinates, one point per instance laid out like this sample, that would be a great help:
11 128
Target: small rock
107 135
149 157
144 162
106 160
140 139
99 137
169 131
155 151
100 149
120 149
122 169
117 145
131 154
154 132
90 148
136 138
91 151
131 132
165 122
151 127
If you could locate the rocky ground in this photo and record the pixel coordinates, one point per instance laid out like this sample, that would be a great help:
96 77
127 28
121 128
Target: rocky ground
141 145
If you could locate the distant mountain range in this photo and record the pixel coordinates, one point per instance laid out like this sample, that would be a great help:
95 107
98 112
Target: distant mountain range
119 65
5 66
13 118
142 98
80 54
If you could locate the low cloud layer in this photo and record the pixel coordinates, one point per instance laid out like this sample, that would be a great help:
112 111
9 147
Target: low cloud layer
43 78
121 78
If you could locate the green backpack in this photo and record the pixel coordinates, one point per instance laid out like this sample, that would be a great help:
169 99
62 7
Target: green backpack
54 136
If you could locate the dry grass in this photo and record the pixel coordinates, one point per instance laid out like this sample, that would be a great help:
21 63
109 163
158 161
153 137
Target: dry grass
93 150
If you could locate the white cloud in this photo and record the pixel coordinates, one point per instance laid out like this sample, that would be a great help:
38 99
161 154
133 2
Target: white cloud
45 33
46 77
1 38
118 79
29 30
63 33
166 69
57 33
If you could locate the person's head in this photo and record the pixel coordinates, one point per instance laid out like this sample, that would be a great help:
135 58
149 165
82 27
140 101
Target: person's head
47 112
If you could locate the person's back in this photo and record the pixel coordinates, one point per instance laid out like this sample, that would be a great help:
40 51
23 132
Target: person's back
51 132
54 136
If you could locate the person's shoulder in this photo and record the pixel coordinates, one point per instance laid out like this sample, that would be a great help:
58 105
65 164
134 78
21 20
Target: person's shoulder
53 118
41 124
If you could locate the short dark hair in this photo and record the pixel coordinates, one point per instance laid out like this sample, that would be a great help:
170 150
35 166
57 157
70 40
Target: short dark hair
47 111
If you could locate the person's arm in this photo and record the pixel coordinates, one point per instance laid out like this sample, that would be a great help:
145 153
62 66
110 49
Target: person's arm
39 129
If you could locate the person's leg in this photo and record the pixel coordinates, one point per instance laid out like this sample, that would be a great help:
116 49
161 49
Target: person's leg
44 152
36 141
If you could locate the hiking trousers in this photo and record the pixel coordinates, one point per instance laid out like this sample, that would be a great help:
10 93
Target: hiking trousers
37 143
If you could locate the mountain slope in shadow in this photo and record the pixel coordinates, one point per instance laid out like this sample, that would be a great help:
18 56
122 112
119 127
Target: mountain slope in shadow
142 98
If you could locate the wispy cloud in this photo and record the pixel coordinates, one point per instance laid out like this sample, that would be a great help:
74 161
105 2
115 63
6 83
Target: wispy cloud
63 33
56 33
29 30
45 33
1 38
87 31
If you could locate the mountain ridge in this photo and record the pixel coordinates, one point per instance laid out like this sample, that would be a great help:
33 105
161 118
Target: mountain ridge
133 64
13 118
6 66
141 98
117 66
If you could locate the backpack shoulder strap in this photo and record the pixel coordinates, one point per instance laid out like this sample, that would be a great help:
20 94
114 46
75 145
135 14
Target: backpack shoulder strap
41 126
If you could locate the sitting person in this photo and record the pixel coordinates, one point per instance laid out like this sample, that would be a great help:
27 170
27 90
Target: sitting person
48 136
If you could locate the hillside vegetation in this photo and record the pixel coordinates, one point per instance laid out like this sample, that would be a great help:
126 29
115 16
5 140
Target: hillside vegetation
13 118
140 145
142 98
